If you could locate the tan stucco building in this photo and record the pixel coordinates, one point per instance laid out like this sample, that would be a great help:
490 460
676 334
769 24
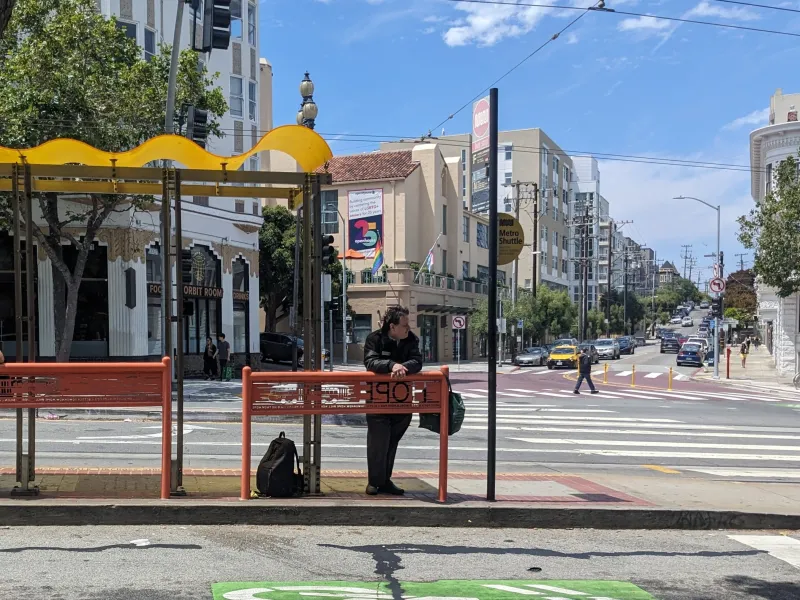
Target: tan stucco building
409 202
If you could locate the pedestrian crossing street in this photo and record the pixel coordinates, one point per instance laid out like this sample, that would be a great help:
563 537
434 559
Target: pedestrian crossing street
596 434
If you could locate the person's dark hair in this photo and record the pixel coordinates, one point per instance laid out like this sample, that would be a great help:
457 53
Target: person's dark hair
221 335
392 316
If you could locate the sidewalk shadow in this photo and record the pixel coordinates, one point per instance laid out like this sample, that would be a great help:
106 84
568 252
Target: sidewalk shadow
769 590
388 560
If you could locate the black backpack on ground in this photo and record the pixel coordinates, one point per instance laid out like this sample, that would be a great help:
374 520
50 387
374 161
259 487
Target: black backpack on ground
276 476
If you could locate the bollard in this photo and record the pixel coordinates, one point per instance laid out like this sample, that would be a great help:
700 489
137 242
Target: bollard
633 375
669 381
605 373
728 363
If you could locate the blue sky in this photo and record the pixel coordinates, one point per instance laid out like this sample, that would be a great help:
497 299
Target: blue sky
611 84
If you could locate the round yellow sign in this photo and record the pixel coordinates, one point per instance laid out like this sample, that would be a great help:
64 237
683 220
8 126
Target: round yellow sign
510 238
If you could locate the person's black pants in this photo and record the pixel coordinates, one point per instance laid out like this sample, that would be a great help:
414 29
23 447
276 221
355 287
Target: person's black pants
384 433
223 362
588 378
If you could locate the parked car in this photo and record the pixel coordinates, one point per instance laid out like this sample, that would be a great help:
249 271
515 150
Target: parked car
565 342
675 320
682 338
607 348
626 345
277 347
696 339
687 322
692 354
592 351
640 341
669 342
704 305
531 357
563 357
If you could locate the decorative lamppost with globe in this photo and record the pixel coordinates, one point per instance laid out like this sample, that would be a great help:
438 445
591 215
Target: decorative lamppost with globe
308 108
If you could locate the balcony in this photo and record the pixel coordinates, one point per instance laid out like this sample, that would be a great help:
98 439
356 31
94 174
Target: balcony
417 278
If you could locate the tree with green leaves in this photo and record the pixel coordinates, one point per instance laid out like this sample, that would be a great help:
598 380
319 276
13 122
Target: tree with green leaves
772 230
67 72
743 316
740 291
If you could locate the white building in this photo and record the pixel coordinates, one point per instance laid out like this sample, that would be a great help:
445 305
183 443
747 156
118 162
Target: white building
586 194
778 317
221 233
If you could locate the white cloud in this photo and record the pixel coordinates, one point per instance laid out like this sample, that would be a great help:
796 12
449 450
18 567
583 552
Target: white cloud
613 87
647 24
487 24
643 193
706 9
428 30
572 38
757 117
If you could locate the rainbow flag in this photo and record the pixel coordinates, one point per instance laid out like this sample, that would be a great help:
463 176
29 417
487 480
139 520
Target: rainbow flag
377 262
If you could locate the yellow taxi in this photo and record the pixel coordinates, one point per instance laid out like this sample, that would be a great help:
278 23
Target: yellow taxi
563 357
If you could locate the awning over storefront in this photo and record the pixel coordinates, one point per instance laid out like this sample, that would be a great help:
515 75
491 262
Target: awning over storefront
444 309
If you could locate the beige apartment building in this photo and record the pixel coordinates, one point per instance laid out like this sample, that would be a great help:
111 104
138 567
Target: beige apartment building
408 203
525 156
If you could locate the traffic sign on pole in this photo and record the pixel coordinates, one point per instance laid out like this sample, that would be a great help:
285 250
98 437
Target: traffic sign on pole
459 322
717 285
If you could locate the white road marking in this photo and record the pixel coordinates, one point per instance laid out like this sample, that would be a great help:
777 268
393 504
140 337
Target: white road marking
629 395
557 590
511 590
734 472
732 435
653 375
781 547
623 374
140 543
468 395
602 419
664 444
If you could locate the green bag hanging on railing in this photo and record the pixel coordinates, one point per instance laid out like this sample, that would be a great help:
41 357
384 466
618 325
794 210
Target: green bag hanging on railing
431 421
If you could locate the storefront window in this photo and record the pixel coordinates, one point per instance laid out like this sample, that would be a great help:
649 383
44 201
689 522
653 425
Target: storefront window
154 319
460 346
7 318
428 326
241 297
362 327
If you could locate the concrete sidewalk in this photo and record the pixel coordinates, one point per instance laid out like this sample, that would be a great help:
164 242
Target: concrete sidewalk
663 499
759 371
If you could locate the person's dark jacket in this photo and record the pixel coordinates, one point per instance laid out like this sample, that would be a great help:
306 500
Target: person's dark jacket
381 353
585 364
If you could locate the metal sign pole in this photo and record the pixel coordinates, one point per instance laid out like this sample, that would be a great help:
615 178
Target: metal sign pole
493 233
30 261
176 175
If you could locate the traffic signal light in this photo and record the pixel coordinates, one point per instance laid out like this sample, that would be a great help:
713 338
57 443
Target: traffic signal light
197 126
186 266
327 250
716 307
217 25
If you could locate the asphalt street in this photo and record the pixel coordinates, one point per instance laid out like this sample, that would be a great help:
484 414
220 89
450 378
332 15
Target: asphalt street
182 563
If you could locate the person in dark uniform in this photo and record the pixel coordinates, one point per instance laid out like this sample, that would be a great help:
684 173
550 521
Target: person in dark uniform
585 371
393 349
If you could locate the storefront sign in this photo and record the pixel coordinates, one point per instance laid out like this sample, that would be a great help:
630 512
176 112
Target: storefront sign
510 238
190 291
239 296
365 215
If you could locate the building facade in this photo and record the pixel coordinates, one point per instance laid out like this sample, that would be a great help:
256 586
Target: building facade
119 313
408 203
777 317
589 209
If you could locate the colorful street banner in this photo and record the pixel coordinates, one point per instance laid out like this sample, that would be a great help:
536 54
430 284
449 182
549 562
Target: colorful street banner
437 590
365 216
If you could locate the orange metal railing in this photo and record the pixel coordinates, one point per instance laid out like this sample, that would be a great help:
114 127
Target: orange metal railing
335 392
94 385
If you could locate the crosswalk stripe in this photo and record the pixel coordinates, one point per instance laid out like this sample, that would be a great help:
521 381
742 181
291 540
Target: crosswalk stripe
689 428
539 408
660 444
653 375
468 395
599 372
734 472
731 435
683 396
665 422
623 374
782 547
629 395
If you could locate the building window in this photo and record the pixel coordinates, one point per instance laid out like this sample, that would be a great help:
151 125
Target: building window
149 44
251 97
564 242
528 284
254 162
241 314
508 152
482 235
483 274
555 166
129 29
463 185
237 96
507 180
543 232
251 23
555 211
236 19
330 212
555 264
362 327
256 208
444 219
555 239
464 270
465 227
544 258
564 266
769 179
444 262
566 174
240 206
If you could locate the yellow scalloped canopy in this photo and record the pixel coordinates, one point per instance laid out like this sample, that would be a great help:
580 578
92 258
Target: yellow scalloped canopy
301 143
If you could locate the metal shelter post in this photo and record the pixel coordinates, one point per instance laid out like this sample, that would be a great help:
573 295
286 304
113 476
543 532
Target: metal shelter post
166 286
175 176
319 363
30 293
492 384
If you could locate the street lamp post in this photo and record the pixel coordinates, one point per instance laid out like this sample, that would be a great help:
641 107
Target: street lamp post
717 353
308 108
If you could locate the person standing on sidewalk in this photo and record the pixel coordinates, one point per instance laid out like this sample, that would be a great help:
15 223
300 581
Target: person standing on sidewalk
224 353
210 360
743 351
392 349
585 370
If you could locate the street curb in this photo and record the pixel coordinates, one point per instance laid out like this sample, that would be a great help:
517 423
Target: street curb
29 513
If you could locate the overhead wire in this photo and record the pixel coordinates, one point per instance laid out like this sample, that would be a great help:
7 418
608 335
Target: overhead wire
754 5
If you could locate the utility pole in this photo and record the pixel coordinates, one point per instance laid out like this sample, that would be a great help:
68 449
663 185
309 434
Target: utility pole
625 299
585 275
741 260
515 266
609 278
685 256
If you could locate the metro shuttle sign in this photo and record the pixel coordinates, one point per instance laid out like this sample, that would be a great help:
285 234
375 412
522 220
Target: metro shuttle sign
480 125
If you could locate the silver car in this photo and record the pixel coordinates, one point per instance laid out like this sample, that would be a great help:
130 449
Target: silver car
607 348
531 357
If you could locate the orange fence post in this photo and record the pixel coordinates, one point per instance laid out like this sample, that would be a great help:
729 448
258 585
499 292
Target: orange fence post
444 433
246 432
605 373
166 428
